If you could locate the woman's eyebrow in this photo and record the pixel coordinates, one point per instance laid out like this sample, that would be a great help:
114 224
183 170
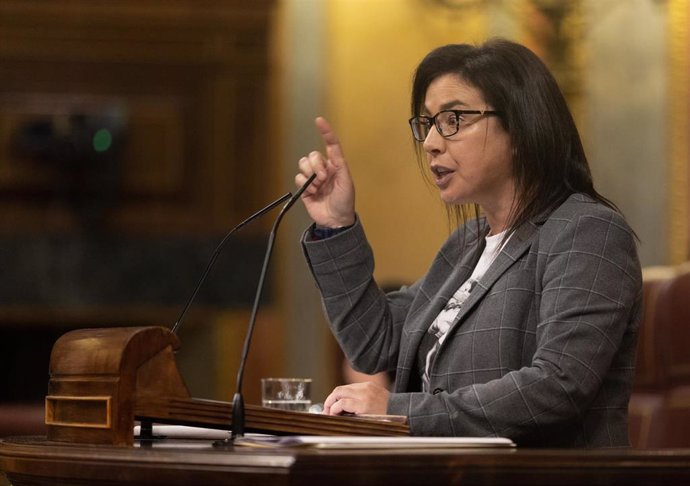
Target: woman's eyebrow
448 105
452 104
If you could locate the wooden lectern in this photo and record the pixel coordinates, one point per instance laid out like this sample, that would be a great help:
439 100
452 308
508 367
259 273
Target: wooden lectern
103 380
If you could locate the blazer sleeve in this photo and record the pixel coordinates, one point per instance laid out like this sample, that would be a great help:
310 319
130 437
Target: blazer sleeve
365 321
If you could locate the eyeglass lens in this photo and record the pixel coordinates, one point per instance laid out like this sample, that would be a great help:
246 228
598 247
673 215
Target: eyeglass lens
447 123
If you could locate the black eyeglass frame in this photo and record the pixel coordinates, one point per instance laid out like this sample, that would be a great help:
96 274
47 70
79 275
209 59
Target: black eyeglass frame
432 120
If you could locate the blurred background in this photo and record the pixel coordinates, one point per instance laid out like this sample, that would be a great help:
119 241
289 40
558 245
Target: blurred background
135 133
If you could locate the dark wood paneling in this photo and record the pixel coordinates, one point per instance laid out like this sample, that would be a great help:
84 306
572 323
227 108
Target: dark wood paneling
190 79
122 236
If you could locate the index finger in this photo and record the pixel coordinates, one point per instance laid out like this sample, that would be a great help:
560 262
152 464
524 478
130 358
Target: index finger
334 150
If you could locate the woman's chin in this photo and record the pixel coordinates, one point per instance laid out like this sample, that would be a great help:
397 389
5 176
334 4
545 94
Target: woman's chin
453 198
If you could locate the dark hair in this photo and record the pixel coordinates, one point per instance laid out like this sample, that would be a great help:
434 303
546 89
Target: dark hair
549 162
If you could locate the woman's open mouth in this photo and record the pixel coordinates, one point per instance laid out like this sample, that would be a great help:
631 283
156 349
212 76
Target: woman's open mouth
442 175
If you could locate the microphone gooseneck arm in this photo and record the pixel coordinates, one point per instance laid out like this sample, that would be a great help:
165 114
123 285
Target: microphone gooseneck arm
217 252
238 419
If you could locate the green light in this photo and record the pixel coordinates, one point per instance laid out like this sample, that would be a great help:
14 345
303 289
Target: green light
102 140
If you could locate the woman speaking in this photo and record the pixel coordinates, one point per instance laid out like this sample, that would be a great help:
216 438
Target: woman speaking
525 325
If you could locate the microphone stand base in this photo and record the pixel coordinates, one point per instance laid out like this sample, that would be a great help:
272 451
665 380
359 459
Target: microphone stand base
224 444
237 425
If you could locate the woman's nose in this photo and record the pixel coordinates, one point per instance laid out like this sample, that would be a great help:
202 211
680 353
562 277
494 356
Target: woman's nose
434 142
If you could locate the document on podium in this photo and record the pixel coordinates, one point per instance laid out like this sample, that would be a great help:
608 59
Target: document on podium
327 441
371 442
184 432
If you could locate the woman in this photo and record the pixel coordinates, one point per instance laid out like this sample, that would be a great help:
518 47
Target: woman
525 325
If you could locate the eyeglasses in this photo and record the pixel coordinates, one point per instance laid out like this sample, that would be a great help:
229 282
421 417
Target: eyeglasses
447 122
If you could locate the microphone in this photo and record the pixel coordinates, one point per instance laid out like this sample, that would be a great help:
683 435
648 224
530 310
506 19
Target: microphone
238 419
217 252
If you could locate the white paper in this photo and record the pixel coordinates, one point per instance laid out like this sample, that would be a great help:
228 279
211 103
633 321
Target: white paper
184 432
327 441
371 442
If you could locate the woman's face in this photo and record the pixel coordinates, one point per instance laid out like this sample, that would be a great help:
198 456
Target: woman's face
474 166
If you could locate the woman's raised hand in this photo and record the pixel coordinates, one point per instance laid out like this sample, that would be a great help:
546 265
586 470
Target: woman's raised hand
330 199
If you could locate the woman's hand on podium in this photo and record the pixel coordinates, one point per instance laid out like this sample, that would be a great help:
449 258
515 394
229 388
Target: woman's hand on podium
358 398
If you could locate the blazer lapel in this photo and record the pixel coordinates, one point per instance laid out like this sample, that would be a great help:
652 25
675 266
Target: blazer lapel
427 313
518 244
457 277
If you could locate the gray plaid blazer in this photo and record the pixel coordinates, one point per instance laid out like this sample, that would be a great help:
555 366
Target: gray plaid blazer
542 351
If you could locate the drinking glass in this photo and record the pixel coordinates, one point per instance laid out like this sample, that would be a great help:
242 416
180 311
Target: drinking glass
286 393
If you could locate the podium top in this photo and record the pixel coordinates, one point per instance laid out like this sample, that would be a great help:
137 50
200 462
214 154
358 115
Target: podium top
106 351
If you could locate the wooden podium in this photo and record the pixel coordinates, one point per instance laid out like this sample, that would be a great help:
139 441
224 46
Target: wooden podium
103 380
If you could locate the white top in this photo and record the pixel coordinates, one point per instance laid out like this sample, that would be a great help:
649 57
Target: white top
446 317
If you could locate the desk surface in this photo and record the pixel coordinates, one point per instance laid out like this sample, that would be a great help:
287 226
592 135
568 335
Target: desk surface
35 461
